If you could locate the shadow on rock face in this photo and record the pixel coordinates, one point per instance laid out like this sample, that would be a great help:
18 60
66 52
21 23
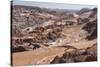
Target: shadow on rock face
93 35
57 60
91 58
18 49
34 45
91 28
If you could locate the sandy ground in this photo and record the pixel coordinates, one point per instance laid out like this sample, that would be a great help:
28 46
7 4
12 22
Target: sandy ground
39 55
32 57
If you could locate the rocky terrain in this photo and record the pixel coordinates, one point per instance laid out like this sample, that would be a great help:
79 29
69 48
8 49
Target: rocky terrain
50 36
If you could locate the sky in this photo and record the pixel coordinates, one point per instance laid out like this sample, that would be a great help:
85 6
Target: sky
53 5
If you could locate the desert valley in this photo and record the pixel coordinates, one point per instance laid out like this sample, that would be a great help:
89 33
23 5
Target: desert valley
52 36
